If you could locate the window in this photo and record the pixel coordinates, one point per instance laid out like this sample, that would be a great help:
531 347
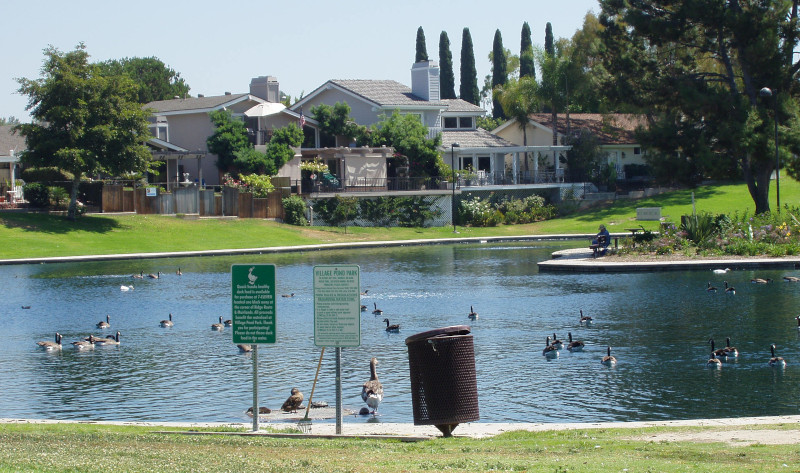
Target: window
484 163
451 122
465 122
637 150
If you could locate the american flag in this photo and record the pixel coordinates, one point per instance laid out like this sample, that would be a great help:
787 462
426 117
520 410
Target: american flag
302 119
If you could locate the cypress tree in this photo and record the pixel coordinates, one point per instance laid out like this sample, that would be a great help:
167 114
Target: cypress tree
526 67
422 51
447 78
549 46
469 75
499 73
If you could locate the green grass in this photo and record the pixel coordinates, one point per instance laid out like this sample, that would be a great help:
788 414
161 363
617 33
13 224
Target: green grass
80 447
31 235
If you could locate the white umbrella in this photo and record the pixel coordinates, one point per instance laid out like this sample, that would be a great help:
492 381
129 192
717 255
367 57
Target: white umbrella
265 109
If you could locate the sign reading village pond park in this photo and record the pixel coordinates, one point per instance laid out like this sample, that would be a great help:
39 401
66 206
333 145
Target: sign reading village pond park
253 303
337 305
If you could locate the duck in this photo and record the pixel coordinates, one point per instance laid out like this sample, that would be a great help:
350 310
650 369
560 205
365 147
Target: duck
576 345
293 402
729 350
472 314
244 348
710 288
288 295
218 326
167 323
391 328
138 276
51 346
585 319
609 359
109 340
557 343
791 279
377 311
719 353
372 391
84 344
729 289
760 280
106 323
26 307
228 323
549 350
775 360
179 272
365 292
714 362
124 288
154 276
261 411
721 271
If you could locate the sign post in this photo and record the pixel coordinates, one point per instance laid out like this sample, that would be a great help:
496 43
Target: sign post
337 316
253 313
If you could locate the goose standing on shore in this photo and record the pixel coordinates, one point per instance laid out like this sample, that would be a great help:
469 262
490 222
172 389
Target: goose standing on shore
167 323
50 346
106 323
609 360
293 402
372 392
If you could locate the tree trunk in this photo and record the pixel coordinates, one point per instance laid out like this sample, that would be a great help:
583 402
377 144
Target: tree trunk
73 201
758 183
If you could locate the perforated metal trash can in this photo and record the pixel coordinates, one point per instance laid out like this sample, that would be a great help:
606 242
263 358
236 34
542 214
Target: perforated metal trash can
444 388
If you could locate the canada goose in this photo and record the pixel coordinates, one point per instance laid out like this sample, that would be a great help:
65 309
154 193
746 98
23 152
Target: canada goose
721 271
108 340
167 323
608 360
293 402
228 323
50 346
760 280
154 276
585 319
391 328
377 311
710 288
138 276
719 353
372 392
774 361
791 279
576 345
363 308
179 272
798 322
287 295
472 314
714 362
245 348
557 343
729 350
126 288
549 350
365 292
729 289
218 326
84 344
106 323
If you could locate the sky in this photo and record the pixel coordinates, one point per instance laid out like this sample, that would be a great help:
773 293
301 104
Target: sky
219 47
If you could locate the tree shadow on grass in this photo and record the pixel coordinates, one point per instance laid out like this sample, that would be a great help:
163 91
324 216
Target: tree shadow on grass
55 224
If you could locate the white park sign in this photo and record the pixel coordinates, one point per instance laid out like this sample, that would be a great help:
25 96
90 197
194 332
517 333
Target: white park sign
337 306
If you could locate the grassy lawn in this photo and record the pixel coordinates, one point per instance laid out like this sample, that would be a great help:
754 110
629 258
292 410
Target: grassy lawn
77 447
39 235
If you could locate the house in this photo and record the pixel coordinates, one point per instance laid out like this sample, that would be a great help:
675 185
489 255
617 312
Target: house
11 145
616 133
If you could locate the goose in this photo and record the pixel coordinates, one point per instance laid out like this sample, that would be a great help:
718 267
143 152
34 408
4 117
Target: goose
798 322
472 314
372 392
719 353
714 362
228 323
179 272
721 271
293 402
26 307
363 308
729 289
576 345
138 276
710 288
167 323
774 361
50 346
391 328
760 281
586 320
791 279
106 323
126 288
84 344
154 276
365 292
245 348
218 326
549 350
108 340
377 311
729 350
609 360
557 343
288 295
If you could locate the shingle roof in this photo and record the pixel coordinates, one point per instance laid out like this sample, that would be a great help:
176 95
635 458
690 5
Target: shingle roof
611 129
384 92
10 140
193 103
459 105
478 138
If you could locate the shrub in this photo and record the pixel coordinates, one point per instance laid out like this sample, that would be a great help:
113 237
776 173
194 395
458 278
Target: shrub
38 195
58 196
46 174
294 208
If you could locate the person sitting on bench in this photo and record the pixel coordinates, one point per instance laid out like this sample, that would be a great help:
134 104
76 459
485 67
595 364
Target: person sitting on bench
601 241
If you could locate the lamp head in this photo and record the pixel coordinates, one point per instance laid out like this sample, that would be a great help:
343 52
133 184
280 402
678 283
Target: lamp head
765 92
455 145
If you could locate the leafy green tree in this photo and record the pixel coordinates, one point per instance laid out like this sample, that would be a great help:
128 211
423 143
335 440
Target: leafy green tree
280 149
499 72
422 50
696 67
155 80
549 43
84 122
408 136
585 157
229 137
469 75
489 123
519 99
526 65
11 120
447 81
335 121
552 89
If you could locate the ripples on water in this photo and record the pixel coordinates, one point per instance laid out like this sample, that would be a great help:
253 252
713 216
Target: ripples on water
658 325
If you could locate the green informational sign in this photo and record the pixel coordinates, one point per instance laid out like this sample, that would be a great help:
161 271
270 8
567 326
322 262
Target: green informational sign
337 306
253 301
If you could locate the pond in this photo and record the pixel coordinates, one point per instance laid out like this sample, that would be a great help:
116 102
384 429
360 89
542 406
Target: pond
658 325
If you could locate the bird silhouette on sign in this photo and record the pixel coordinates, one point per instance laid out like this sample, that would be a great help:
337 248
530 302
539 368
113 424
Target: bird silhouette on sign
250 276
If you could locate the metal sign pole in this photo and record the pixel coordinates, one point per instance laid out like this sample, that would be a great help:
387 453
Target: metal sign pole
338 391
255 388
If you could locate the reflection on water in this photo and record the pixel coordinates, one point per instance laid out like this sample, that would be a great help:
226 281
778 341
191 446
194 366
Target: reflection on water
658 325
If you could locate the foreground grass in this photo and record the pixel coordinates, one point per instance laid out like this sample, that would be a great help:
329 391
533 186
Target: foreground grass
77 447
39 235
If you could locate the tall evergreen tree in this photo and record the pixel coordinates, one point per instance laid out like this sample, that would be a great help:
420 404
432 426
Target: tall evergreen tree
499 73
549 44
526 67
422 51
447 81
469 75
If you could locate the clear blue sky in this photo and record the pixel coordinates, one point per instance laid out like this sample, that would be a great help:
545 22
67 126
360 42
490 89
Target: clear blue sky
219 46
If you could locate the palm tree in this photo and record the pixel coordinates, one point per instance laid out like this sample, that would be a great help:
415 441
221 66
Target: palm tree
519 99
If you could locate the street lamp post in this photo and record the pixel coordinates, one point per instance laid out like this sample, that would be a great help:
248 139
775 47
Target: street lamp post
767 92
453 200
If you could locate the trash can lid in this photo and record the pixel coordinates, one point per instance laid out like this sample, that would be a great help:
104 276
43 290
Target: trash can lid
440 332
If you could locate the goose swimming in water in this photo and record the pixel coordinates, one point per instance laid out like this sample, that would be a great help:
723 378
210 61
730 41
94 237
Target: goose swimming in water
472 314
391 328
576 345
50 346
791 279
549 350
363 308
126 288
586 320
108 340
776 360
288 295
609 360
84 344
179 272
138 276
719 353
729 350
167 323
710 288
372 391
228 323
293 402
760 281
557 343
106 323
218 326
154 276
714 362
245 348
729 289
377 311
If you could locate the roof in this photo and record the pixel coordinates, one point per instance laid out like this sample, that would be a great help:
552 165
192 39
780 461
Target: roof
9 140
460 105
198 103
478 138
610 128
384 92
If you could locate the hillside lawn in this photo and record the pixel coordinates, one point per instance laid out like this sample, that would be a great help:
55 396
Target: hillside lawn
31 235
